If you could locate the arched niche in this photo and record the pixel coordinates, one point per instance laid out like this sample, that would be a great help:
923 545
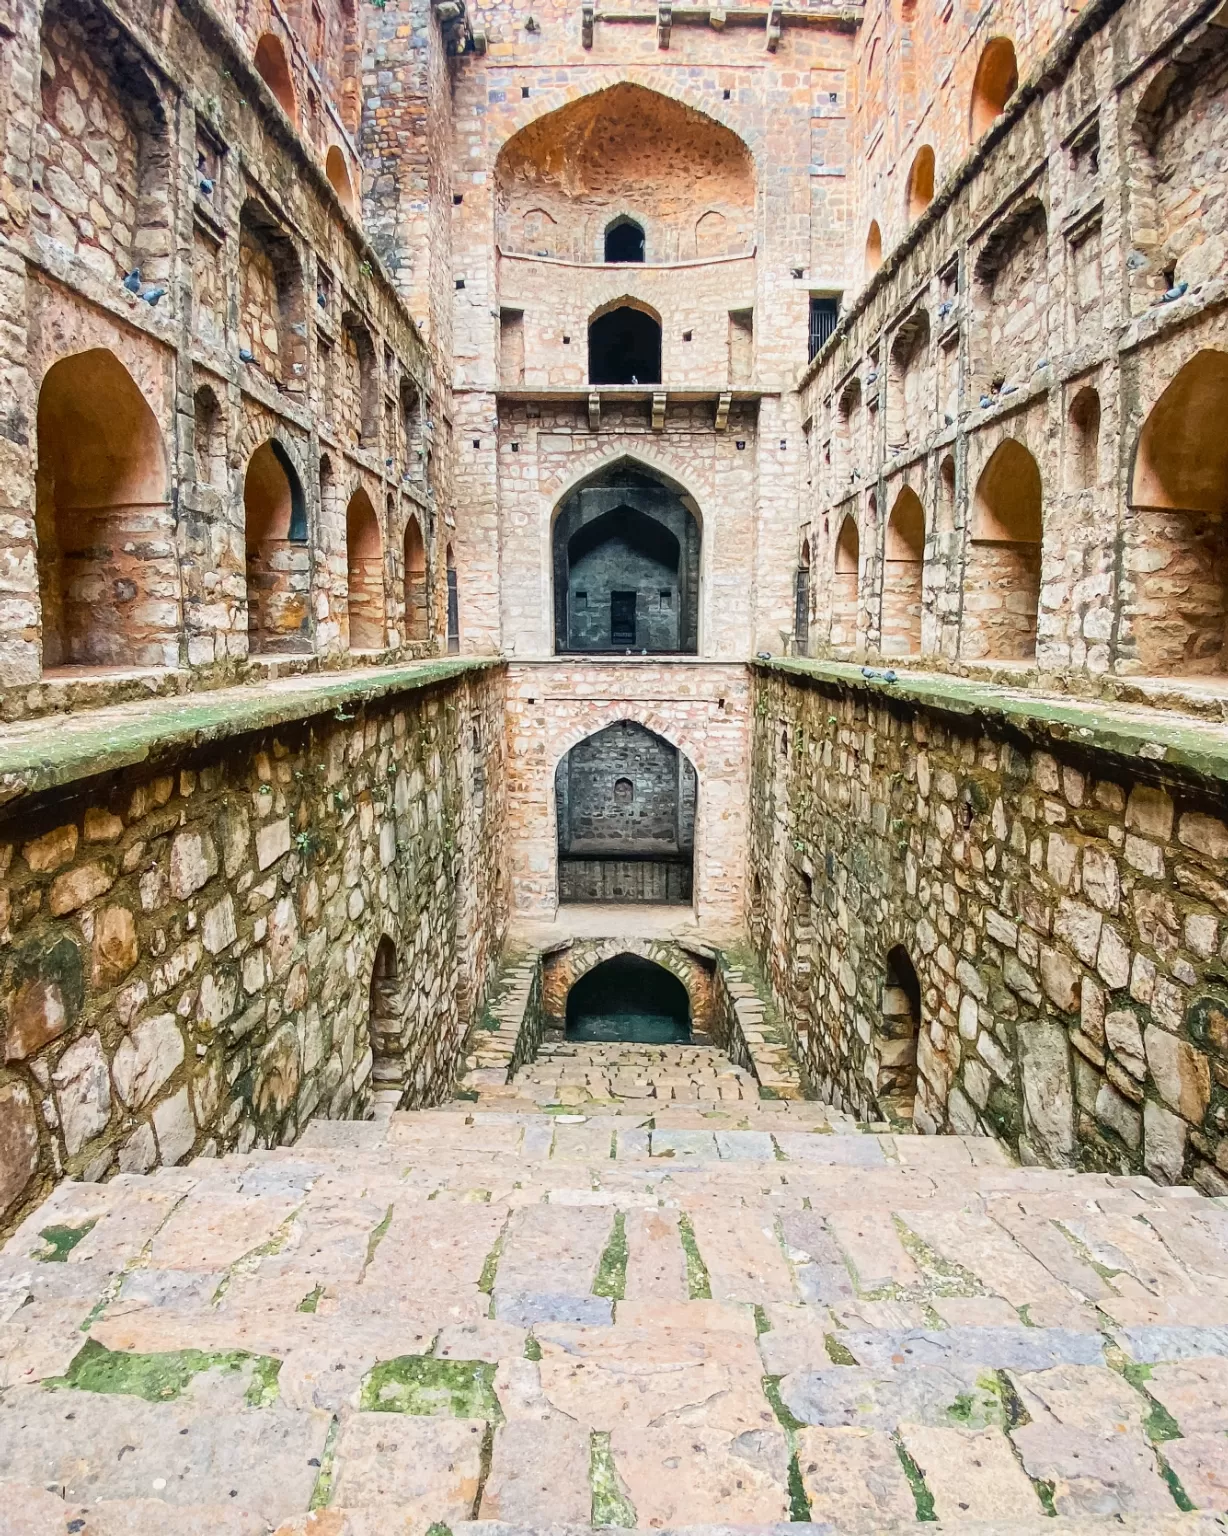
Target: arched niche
416 604
993 85
624 240
845 601
896 1036
874 248
631 149
1002 576
626 560
920 192
108 570
278 559
365 574
338 173
273 67
1179 505
904 553
625 811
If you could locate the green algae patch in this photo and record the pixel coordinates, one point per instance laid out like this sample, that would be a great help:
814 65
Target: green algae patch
699 1287
323 1490
611 1278
311 1301
1158 1423
771 1390
799 1504
837 1353
61 1241
611 1506
762 1325
532 1349
428 1387
922 1497
160 1378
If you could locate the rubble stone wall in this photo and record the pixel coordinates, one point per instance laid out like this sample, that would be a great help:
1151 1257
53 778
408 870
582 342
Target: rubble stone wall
189 949
1064 909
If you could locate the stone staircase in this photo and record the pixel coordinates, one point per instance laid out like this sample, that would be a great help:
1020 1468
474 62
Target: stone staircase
626 1293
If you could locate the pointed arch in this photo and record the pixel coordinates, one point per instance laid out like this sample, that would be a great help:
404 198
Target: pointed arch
904 553
273 67
416 605
1002 577
993 85
846 607
920 190
365 574
108 573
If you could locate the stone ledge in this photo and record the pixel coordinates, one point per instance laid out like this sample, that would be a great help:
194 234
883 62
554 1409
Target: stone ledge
41 754
1171 741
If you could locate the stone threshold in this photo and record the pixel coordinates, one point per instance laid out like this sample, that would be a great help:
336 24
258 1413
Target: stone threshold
1170 740
52 750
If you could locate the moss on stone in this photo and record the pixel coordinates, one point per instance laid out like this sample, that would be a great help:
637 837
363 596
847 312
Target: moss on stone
699 1287
61 1241
611 1506
160 1378
425 1386
922 1497
611 1278
837 1353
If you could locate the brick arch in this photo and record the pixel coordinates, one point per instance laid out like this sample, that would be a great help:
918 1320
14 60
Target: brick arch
259 426
585 955
710 103
600 458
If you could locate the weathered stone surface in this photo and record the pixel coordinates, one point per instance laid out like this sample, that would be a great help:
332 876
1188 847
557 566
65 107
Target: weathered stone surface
146 1059
18 1142
1025 1349
429 1465
539 1472
1093 1472
83 1092
940 1395
972 1474
853 1478
692 1476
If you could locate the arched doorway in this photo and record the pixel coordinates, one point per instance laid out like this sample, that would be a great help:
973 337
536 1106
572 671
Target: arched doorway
997 78
626 566
624 346
895 1039
278 556
416 608
274 69
1002 579
108 574
845 602
632 999
385 1012
1178 604
365 569
624 240
902 571
625 806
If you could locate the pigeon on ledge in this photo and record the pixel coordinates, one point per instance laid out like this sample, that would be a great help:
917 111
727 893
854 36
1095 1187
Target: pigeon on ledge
132 281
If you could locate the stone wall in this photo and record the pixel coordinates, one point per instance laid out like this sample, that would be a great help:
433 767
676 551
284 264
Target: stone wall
190 947
1063 907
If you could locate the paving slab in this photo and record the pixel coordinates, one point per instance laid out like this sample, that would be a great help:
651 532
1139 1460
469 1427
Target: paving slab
539 1472
1094 1473
1026 1349
428 1465
854 1478
682 1476
972 1474
937 1395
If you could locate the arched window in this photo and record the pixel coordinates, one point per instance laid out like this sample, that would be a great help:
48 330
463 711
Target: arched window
108 575
902 568
801 600
895 1039
416 627
946 494
995 82
920 183
453 605
624 240
1083 444
624 346
278 557
874 248
1179 517
365 570
338 174
273 67
1002 580
844 604
625 806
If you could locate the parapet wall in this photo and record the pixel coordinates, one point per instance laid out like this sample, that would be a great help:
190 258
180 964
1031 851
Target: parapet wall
1054 877
204 950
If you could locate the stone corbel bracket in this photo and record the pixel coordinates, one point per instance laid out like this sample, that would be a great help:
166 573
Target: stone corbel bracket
722 410
775 24
665 21
586 24
594 412
658 410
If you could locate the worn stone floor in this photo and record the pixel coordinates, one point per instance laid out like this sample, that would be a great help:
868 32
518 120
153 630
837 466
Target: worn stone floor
667 1306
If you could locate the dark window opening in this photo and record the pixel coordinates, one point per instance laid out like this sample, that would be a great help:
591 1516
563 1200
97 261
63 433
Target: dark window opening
624 241
823 316
453 611
624 347
632 999
895 1040
622 618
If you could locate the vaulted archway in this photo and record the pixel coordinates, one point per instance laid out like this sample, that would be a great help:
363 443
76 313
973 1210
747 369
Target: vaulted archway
629 998
626 565
625 808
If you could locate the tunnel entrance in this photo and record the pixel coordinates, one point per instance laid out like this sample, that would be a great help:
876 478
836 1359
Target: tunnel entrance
629 999
625 799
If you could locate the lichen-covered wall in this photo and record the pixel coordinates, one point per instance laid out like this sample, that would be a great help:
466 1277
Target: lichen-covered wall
188 950
1064 909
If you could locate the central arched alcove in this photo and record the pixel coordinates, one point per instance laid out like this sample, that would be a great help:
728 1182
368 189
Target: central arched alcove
278 558
629 998
625 805
623 157
624 346
626 565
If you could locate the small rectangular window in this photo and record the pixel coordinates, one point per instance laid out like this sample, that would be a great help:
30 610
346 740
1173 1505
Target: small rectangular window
581 599
824 312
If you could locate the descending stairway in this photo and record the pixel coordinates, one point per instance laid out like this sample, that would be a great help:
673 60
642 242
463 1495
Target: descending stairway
624 1293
